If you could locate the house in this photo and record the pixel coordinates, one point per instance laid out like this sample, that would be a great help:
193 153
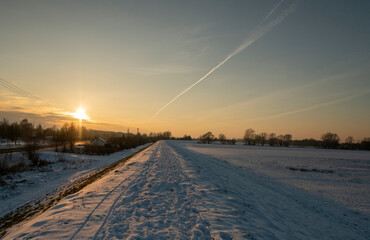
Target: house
98 141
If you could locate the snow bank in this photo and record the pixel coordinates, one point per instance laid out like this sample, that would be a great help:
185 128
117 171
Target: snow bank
24 187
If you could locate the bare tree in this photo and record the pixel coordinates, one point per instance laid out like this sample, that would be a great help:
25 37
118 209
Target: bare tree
365 143
14 132
257 139
349 143
330 140
349 140
222 138
39 133
207 138
263 137
71 135
272 139
167 135
249 137
287 139
280 140
26 130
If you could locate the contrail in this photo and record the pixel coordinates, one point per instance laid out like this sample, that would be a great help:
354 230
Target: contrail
367 91
272 11
255 35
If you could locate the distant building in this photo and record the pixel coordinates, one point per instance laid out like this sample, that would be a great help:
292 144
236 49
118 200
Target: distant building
98 141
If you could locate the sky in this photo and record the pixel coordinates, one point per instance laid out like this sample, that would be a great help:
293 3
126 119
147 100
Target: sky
298 67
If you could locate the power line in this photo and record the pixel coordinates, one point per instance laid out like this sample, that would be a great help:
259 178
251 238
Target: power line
24 93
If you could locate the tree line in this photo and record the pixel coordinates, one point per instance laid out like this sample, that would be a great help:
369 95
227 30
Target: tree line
66 136
69 133
328 140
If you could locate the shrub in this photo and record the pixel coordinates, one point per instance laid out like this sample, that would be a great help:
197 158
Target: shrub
32 154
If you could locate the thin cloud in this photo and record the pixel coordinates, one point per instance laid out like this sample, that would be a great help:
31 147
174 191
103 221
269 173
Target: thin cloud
310 108
257 34
272 11
164 70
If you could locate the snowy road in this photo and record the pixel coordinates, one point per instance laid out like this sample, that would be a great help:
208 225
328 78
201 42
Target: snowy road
171 192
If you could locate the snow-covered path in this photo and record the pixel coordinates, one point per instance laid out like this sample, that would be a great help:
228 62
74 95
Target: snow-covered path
171 192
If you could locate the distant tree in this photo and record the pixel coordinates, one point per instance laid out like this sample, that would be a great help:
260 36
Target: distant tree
307 143
272 141
222 138
49 131
330 140
26 130
86 134
249 137
14 132
365 143
71 135
349 143
257 139
167 135
280 140
207 138
62 137
232 141
186 137
4 129
349 140
39 133
263 137
287 139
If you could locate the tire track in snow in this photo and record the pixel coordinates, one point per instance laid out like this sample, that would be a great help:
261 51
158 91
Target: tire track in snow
160 205
134 175
119 196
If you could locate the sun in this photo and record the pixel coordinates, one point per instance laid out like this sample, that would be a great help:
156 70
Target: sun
80 114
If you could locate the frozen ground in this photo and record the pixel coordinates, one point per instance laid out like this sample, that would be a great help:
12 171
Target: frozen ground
24 187
170 191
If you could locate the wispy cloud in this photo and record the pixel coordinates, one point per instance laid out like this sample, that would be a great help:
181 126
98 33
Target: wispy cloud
272 11
164 70
313 107
253 37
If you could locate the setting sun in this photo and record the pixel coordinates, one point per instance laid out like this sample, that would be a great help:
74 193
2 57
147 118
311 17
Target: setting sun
80 114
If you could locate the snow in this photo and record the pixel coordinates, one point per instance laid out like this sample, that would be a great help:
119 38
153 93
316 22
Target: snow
174 190
347 180
24 187
7 144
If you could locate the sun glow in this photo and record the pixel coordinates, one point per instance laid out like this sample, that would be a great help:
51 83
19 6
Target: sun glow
80 114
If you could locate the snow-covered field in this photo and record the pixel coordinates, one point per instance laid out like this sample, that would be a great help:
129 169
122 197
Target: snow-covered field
340 175
181 190
24 187
6 144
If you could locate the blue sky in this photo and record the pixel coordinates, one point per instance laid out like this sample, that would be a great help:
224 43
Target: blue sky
124 60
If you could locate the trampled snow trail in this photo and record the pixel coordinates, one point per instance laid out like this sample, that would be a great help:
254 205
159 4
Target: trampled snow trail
161 205
115 194
171 192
